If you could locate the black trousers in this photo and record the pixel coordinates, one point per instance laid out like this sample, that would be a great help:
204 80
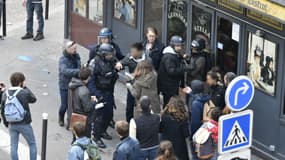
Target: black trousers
130 106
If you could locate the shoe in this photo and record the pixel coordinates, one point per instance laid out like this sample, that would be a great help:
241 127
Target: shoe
100 143
39 36
1 38
61 121
106 136
28 36
112 124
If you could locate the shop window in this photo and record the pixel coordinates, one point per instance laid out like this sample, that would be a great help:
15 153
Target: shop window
177 18
80 7
96 11
261 63
126 11
201 26
153 10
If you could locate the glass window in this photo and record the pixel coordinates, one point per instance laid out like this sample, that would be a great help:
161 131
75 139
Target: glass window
261 63
177 18
96 11
126 11
153 15
79 7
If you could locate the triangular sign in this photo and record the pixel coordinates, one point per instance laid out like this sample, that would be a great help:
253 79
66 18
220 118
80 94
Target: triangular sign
236 136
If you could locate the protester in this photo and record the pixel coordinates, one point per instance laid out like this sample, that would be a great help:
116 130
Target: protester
171 70
146 129
153 47
145 84
17 100
102 86
81 144
174 126
136 55
216 90
165 151
31 6
69 67
128 148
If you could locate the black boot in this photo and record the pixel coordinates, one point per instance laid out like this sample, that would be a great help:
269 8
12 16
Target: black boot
106 136
61 121
100 143
28 36
39 36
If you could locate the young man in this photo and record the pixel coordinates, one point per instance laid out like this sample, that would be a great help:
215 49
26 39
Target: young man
31 6
69 67
128 148
19 93
146 129
136 55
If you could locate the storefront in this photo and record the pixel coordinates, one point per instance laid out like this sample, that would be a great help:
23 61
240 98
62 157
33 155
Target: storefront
244 38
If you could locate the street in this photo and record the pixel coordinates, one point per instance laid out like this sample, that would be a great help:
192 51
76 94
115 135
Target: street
39 61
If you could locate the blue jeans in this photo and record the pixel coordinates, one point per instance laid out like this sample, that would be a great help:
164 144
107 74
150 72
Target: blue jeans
149 154
64 102
38 8
27 132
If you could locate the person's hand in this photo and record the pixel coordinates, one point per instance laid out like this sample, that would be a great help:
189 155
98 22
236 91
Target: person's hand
187 90
24 2
119 66
129 85
94 98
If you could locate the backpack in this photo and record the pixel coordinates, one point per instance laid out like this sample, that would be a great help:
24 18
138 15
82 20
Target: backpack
91 151
14 110
203 143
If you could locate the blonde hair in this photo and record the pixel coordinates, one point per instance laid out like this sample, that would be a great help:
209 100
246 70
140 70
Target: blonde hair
143 68
176 108
165 151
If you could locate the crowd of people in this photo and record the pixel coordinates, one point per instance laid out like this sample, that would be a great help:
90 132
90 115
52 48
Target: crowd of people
174 100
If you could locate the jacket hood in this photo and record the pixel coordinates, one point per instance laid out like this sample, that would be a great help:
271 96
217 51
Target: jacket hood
197 86
170 50
147 80
75 83
82 141
203 98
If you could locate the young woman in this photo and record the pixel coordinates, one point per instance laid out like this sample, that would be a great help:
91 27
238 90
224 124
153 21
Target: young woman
174 126
165 151
145 84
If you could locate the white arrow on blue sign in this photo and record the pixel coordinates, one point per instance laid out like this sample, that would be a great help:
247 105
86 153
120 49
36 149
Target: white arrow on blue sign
235 131
239 93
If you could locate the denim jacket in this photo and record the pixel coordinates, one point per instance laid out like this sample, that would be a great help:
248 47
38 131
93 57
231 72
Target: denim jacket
127 149
75 152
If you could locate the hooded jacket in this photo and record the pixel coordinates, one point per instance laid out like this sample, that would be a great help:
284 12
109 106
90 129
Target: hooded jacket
171 72
76 152
80 97
127 149
146 86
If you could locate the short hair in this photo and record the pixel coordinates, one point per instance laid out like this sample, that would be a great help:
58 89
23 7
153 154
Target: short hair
230 76
152 29
84 73
79 129
137 46
122 128
216 113
213 75
17 78
145 104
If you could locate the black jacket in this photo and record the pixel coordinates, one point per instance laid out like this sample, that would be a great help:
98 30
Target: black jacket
25 97
155 53
217 95
171 72
176 132
199 68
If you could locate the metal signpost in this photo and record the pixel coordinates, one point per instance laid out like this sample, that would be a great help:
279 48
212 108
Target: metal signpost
235 130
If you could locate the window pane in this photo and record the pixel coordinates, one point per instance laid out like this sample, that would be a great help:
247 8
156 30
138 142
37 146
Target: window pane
79 7
153 15
177 18
96 11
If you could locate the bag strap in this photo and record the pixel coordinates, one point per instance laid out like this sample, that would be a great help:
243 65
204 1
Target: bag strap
83 147
15 94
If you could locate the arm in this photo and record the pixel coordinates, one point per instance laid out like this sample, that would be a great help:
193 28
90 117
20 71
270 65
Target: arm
135 90
196 117
63 69
30 97
133 129
92 87
119 54
173 69
3 99
85 99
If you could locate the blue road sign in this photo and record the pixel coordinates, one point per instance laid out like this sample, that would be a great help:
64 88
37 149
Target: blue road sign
235 131
239 93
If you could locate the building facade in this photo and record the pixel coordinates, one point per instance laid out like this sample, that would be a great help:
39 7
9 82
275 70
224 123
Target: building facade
245 37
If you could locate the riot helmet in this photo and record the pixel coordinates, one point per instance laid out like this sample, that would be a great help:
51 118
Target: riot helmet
176 42
198 44
106 51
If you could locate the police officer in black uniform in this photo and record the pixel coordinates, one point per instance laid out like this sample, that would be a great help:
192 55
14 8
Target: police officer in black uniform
104 79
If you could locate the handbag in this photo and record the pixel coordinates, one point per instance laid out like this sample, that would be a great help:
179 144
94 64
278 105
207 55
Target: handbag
75 117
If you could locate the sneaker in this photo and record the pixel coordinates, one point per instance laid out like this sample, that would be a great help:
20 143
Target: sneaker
106 136
39 36
28 36
100 143
112 124
1 38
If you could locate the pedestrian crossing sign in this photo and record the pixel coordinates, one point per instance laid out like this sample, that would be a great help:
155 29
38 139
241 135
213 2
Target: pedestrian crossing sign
235 131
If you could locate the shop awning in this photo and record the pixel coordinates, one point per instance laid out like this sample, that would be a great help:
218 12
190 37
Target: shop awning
273 8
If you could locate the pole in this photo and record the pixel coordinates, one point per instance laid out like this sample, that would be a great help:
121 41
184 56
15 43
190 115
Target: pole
4 30
47 9
66 19
44 136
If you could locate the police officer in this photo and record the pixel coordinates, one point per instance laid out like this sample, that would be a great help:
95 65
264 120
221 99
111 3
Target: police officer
172 68
105 36
103 82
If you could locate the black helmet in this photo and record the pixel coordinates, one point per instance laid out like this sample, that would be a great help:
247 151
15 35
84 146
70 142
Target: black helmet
176 40
105 33
199 44
105 48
